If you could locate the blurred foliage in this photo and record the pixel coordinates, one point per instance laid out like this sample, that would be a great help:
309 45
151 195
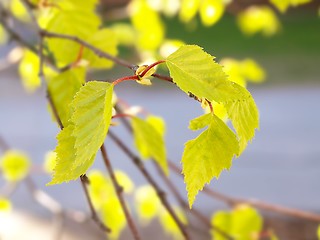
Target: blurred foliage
242 223
14 165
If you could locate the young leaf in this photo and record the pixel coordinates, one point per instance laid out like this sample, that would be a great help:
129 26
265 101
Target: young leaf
5 205
244 116
149 142
207 155
14 165
244 222
61 95
211 11
207 80
147 203
72 18
98 40
79 142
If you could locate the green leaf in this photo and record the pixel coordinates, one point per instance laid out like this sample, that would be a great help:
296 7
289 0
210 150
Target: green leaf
244 116
72 18
318 232
79 142
207 80
147 203
149 142
243 223
63 88
105 40
158 123
211 11
14 165
5 205
188 10
207 155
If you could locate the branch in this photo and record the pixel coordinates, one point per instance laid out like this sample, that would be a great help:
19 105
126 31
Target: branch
161 194
231 201
97 51
119 190
185 205
84 181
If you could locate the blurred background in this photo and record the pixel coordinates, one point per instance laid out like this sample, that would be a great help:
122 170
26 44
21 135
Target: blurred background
280 166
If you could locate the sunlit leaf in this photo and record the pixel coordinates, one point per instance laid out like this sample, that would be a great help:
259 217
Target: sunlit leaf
50 161
124 33
63 88
147 203
29 71
104 40
124 181
79 142
100 188
207 80
158 123
169 225
113 216
283 5
189 9
150 32
5 205
149 142
72 18
169 46
318 232
243 223
211 11
244 116
258 19
242 71
14 165
18 10
207 155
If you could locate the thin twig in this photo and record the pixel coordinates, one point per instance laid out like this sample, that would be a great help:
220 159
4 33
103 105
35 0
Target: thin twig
94 214
161 194
185 205
232 201
84 182
97 51
50 204
119 190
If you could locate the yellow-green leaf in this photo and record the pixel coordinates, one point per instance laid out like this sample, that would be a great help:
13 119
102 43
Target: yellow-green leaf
283 5
14 165
147 203
170 225
188 10
258 19
113 216
149 142
211 11
207 80
29 70
5 205
318 232
79 142
243 223
69 17
244 116
207 155
124 181
63 88
50 161
148 24
158 123
105 40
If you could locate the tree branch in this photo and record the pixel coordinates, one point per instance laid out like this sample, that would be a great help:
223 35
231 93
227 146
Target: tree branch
161 194
231 201
119 190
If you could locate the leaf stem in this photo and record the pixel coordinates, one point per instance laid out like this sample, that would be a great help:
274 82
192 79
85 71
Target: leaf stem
128 78
151 66
119 191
